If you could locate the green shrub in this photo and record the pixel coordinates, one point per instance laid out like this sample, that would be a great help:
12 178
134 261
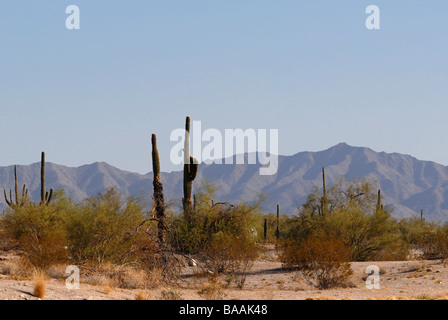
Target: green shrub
104 229
353 218
428 238
193 235
39 231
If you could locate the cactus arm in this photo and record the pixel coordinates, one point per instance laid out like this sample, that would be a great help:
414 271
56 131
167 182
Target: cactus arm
8 202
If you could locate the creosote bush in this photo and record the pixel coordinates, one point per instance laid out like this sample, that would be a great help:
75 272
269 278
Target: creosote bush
428 238
102 229
220 235
351 216
39 232
325 261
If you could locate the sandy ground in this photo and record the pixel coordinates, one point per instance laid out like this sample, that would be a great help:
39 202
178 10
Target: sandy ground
266 281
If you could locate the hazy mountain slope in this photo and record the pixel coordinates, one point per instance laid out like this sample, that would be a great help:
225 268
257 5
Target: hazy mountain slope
407 183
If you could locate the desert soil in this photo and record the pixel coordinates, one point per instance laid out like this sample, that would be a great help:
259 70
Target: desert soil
266 281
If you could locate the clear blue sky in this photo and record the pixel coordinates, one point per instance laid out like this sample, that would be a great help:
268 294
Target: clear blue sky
308 68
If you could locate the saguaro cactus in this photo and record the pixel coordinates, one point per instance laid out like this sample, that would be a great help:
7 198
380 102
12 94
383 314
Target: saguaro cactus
190 170
277 232
159 201
324 196
19 200
45 196
379 206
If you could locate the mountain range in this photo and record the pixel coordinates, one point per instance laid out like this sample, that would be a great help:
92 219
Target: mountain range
408 184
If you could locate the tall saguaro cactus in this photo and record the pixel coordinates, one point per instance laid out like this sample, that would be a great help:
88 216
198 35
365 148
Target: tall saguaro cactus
379 205
158 191
277 232
45 196
324 196
190 170
19 200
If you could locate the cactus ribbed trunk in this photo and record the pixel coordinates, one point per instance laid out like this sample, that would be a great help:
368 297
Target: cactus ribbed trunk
45 196
265 231
158 197
42 178
277 233
190 171
324 197
379 206
16 185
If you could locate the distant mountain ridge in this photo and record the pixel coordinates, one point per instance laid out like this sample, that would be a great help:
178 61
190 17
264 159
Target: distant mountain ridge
408 184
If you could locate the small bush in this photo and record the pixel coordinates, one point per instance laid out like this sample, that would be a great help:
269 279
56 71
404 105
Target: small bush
429 238
39 233
114 276
171 294
434 244
228 254
10 268
212 291
324 261
100 229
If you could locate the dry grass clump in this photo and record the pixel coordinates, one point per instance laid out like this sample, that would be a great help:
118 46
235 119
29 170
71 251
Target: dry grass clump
9 268
141 295
40 285
17 269
106 290
171 294
57 272
212 291
124 277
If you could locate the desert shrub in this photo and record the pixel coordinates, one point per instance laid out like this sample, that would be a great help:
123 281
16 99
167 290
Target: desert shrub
212 291
324 261
428 238
227 254
351 216
117 276
39 232
434 243
220 235
171 294
412 229
6 241
370 236
194 233
271 236
102 229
